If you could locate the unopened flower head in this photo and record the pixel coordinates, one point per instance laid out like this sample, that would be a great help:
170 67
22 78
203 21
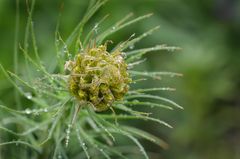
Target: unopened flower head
98 77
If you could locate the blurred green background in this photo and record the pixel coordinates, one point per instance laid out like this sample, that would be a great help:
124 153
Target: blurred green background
209 35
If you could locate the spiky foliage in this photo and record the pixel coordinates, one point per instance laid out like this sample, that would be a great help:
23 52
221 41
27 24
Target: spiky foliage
62 110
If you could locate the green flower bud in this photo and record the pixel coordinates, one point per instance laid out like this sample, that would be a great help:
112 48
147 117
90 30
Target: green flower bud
99 77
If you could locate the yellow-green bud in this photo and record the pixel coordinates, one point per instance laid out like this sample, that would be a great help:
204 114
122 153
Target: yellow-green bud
99 77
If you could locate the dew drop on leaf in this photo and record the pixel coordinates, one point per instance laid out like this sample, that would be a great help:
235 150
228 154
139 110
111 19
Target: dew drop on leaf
131 47
68 131
96 28
28 95
28 111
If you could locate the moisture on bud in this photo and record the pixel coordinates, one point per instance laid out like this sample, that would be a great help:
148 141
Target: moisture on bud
98 77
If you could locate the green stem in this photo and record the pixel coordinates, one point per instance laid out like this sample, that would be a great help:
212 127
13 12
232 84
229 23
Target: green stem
16 39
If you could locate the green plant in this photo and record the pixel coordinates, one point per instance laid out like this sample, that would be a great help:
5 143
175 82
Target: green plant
86 78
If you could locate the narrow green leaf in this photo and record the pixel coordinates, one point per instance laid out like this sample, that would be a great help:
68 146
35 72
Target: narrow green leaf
126 117
55 121
93 116
21 143
137 39
146 136
151 104
155 48
118 26
82 144
91 141
122 132
154 97
151 89
154 75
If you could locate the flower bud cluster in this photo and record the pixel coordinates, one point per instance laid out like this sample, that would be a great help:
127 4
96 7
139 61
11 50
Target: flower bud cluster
98 77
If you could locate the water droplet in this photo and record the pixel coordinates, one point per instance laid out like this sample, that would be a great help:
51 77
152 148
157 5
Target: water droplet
129 67
119 59
67 142
45 110
135 100
113 28
131 36
59 156
131 47
28 111
124 54
96 25
68 131
171 49
28 95
65 49
96 28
